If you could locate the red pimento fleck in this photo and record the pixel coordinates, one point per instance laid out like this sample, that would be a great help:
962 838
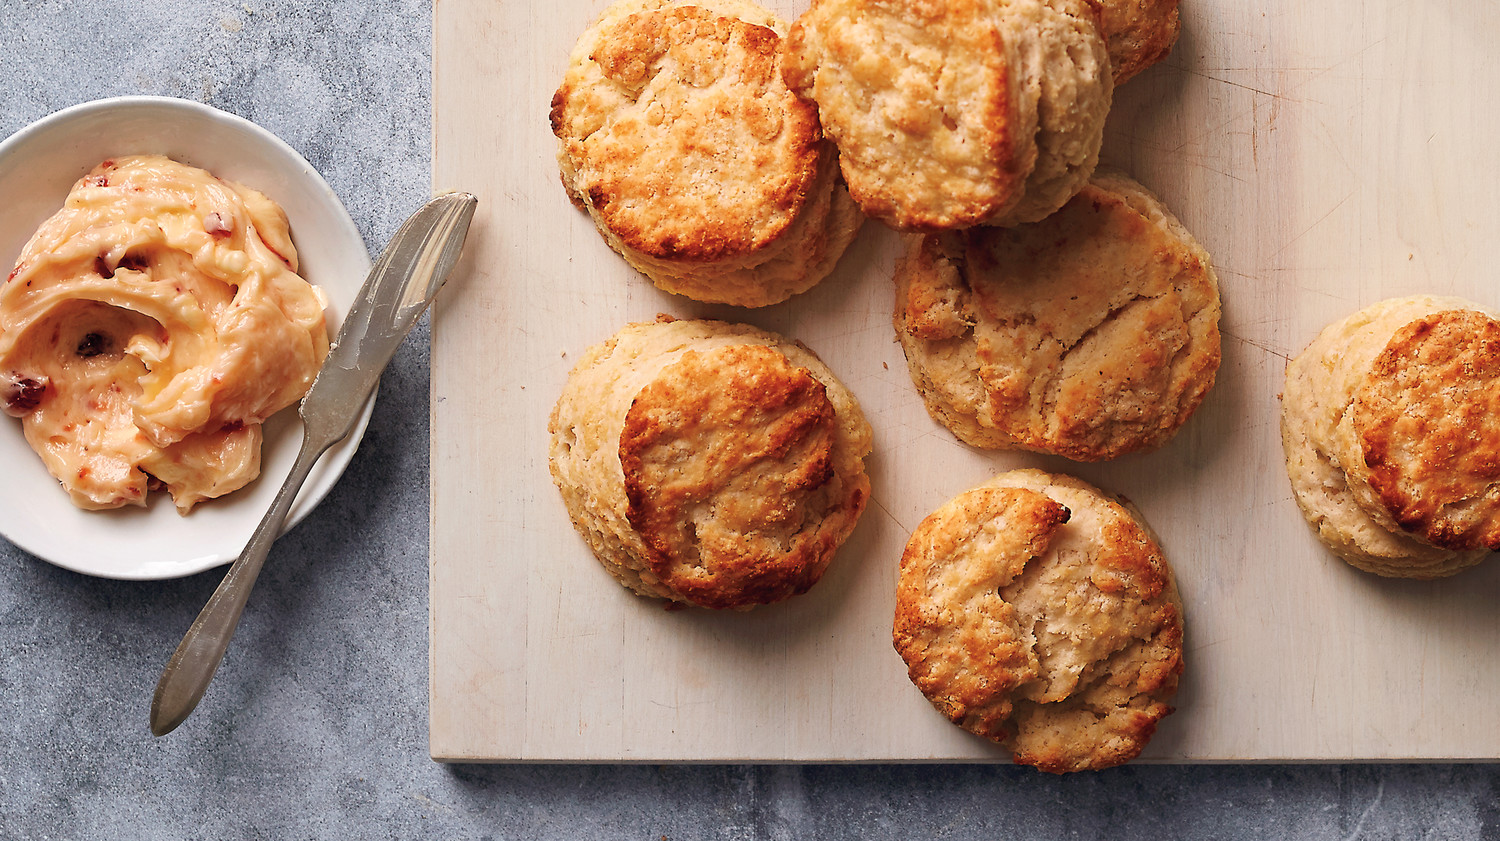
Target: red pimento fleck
21 394
100 181
215 225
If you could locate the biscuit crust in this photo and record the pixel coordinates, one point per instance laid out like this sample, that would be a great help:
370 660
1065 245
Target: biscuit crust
727 458
1091 334
708 463
696 163
1036 612
1389 438
1427 418
954 113
1139 33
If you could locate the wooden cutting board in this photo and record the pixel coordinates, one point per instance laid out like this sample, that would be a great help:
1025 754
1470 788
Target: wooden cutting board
1327 154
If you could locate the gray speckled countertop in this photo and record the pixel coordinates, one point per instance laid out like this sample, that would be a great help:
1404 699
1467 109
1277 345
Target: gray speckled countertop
316 726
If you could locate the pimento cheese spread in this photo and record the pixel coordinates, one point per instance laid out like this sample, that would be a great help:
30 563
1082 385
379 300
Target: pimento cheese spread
149 327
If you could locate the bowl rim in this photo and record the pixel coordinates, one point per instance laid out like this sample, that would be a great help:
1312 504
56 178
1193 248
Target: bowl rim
332 464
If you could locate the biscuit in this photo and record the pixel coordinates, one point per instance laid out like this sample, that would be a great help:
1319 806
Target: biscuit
712 464
695 162
954 113
1090 334
1039 613
1138 34
1390 424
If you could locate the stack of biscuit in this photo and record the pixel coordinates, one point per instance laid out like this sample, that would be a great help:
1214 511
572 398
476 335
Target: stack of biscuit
696 163
956 113
711 464
1390 422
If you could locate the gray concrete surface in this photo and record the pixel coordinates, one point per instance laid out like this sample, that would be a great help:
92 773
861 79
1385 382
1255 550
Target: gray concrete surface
316 726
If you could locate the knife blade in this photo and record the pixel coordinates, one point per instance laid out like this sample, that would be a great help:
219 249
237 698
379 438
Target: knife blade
402 283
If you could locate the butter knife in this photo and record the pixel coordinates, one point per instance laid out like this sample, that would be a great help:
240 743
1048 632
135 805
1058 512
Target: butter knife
402 283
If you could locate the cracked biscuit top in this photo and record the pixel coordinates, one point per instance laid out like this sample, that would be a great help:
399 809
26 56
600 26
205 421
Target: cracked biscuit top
1036 612
1091 334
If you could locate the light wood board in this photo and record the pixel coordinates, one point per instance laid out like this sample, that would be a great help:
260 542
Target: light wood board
1327 154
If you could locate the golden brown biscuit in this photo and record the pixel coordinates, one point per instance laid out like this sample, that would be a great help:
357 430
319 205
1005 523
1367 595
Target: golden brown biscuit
1139 33
1037 612
953 113
694 160
1391 428
708 463
1090 334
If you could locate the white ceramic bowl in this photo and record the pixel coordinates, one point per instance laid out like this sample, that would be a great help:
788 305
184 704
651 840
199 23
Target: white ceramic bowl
38 165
